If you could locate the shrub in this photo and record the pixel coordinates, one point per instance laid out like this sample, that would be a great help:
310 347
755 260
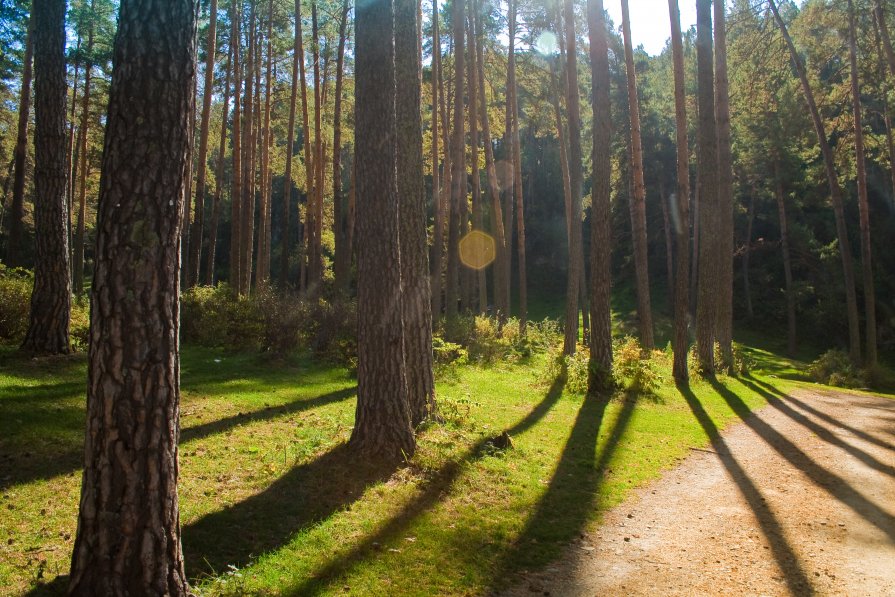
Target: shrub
15 303
216 317
331 330
79 331
577 370
634 371
835 369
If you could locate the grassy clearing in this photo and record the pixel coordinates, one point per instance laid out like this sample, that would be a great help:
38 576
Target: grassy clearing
273 504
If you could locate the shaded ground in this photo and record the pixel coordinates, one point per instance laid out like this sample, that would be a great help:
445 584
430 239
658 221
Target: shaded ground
799 499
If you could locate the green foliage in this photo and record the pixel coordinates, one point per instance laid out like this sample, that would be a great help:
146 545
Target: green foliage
15 303
457 410
577 370
214 316
634 371
79 330
834 368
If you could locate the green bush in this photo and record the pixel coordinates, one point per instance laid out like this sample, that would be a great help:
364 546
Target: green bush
330 329
79 330
216 317
633 370
15 303
834 368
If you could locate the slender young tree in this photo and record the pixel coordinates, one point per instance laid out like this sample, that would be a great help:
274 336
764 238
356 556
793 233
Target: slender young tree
870 356
290 150
724 314
707 183
51 298
236 193
437 191
638 199
128 540
600 369
262 268
315 209
517 175
477 218
851 301
682 203
17 216
309 167
787 262
219 176
382 427
202 157
458 163
342 264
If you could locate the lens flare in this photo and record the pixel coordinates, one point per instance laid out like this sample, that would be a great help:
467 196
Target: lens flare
546 44
477 250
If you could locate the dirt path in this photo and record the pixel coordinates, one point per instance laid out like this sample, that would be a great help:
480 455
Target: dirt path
799 499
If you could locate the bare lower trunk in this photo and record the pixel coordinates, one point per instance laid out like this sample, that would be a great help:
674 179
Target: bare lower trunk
219 177
262 268
128 540
600 369
787 262
724 316
458 164
78 240
669 243
342 266
638 200
437 194
51 298
236 194
477 219
290 143
575 180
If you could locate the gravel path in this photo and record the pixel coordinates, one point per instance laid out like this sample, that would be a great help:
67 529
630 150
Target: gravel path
799 499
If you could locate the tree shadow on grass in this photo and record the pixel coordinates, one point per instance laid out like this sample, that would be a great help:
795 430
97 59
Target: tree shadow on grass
435 489
787 560
829 482
820 431
65 455
306 494
569 502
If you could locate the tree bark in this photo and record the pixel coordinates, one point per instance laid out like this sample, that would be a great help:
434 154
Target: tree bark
517 185
382 427
884 34
236 195
575 180
638 200
207 93
669 241
851 301
128 540
342 265
681 339
458 163
262 268
309 168
787 262
51 298
17 212
247 207
477 219
219 176
437 192
870 356
297 58
416 297
600 379
724 316
315 210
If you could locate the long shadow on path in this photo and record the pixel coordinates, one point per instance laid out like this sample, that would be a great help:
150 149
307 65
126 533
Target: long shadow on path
786 558
831 483
435 490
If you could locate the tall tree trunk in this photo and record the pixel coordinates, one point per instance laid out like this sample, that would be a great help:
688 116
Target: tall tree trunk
382 427
247 215
315 265
416 297
17 215
501 303
520 209
638 200
851 301
477 219
297 58
747 252
71 153
262 268
458 163
306 135
236 195
707 182
185 228
51 297
78 241
219 177
681 338
575 180
128 540
342 264
669 241
207 93
884 34
787 262
870 357
724 315
600 369
437 192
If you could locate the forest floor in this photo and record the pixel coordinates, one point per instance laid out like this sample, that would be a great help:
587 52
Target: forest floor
796 499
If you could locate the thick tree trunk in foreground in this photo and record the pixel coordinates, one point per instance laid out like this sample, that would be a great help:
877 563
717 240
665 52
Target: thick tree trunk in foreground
848 272
600 380
787 262
207 93
128 540
707 181
724 315
575 181
51 297
681 338
382 425
17 215
416 297
638 200
870 356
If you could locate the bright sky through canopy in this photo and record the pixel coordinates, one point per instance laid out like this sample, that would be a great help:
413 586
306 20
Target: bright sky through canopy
649 21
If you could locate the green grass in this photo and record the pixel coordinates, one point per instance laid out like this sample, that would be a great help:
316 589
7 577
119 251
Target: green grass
273 504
